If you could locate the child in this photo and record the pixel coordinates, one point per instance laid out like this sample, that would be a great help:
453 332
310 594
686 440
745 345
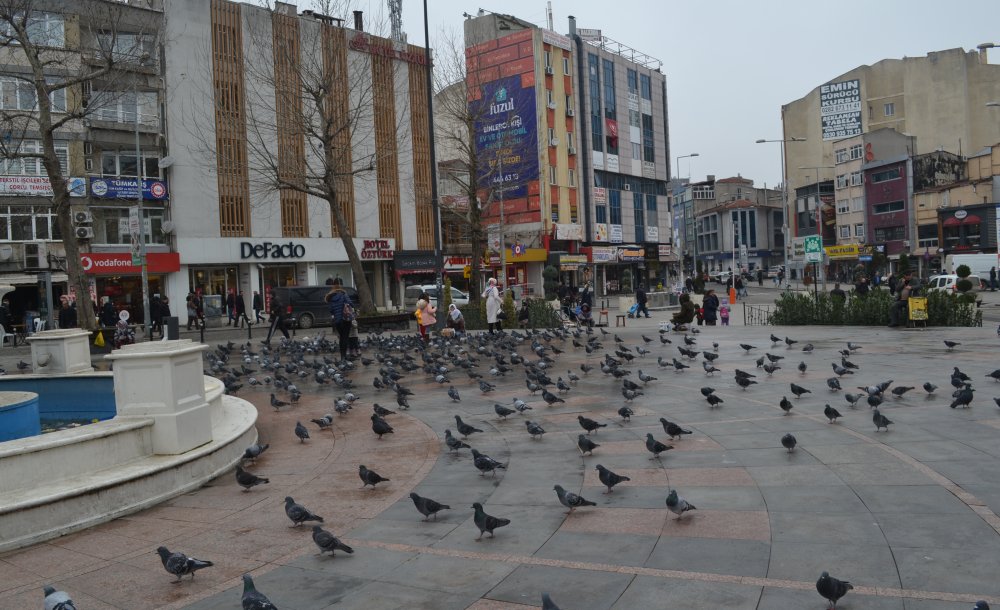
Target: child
701 316
724 315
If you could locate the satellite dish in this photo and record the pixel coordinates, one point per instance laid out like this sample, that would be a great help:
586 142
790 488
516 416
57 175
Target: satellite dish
167 228
165 162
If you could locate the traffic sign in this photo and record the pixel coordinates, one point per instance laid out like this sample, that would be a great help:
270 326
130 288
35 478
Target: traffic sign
467 271
813 246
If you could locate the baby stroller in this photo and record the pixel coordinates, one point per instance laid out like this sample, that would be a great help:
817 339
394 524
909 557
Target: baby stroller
633 310
584 315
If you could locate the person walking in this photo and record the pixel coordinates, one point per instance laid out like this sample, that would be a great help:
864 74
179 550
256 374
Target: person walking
258 306
741 287
108 317
67 314
231 308
276 310
760 277
240 310
155 316
711 305
341 315
493 305
640 300
993 279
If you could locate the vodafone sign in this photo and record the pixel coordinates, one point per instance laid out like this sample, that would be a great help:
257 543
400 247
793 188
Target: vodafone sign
120 263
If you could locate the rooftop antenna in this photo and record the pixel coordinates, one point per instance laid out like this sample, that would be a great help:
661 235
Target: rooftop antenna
548 15
396 19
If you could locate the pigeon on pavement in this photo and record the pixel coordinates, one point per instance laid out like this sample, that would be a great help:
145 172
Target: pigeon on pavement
929 387
548 604
678 505
252 598
463 428
570 500
246 480
550 398
799 390
57 600
832 589
503 411
427 507
852 399
588 424
898 391
276 403
453 394
326 541
298 513
626 413
180 564
788 442
485 522
301 432
951 345
963 397
834 384
534 429
380 426
453 443
785 404
831 413
655 447
586 445
714 400
253 451
485 463
880 421
370 477
609 479
672 429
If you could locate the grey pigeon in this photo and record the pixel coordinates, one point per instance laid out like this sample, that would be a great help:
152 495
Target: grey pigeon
709 369
951 345
486 387
714 400
744 382
485 463
898 391
380 426
880 421
503 411
534 429
588 424
253 451
786 405
832 589
548 604
799 390
852 399
980 605
929 387
831 413
326 541
586 445
246 480
57 600
747 347
453 394
609 479
808 348
382 411
790 342
963 397
453 443
298 513
626 413
252 598
707 391
678 505
463 428
788 442
324 422
995 375
672 429
802 367
370 477
276 403
834 384
521 406
771 368
655 447
427 507
487 523
301 432
550 398
571 500
180 564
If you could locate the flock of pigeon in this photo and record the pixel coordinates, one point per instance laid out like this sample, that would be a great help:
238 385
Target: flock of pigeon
308 363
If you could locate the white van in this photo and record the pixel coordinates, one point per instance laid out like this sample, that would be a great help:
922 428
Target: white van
950 282
979 264
412 294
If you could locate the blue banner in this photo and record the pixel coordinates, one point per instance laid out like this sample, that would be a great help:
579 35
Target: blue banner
506 136
124 188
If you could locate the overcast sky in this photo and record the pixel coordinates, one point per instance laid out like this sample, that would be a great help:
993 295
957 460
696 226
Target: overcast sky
730 64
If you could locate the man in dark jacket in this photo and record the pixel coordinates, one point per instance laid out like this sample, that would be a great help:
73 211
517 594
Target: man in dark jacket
640 299
277 311
258 306
67 315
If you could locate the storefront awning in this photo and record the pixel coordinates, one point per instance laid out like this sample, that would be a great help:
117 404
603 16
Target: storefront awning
29 279
971 219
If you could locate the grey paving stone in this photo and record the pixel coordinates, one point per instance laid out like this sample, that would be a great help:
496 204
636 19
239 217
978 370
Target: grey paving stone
391 596
869 565
793 474
622 549
968 471
529 528
711 555
812 499
365 563
784 599
891 472
830 528
855 453
947 569
449 574
775 455
933 451
650 592
924 530
909 499
570 588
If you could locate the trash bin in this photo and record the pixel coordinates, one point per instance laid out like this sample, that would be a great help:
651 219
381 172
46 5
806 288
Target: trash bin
173 327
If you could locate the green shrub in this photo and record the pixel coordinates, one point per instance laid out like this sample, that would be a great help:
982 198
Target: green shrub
795 309
963 285
446 299
963 271
541 314
904 264
550 281
509 308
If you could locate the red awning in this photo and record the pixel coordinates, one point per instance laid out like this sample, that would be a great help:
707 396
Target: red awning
971 219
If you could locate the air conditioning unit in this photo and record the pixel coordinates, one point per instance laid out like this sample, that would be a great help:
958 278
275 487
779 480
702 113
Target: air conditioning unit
88 148
88 165
36 255
627 187
570 111
572 150
83 217
554 142
85 232
549 71
552 105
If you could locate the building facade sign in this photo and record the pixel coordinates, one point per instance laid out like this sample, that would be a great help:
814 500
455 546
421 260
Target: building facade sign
365 44
652 233
271 250
120 263
600 194
603 254
665 252
557 40
415 260
569 231
600 231
631 254
615 233
845 251
589 34
39 186
840 109
377 250
572 262
124 188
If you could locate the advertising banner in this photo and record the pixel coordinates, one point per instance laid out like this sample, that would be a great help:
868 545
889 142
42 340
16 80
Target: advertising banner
124 188
569 231
840 109
39 186
616 234
603 254
600 231
631 254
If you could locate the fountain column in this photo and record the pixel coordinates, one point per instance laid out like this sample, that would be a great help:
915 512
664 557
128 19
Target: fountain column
60 352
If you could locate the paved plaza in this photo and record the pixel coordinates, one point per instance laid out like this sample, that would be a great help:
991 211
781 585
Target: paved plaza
908 515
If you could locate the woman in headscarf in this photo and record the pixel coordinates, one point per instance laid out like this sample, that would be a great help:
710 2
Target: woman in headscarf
455 318
493 304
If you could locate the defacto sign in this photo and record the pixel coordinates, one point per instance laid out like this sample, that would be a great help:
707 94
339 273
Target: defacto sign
271 250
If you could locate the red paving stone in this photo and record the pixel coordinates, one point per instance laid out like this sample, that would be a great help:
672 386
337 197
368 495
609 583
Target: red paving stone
643 521
708 477
646 477
733 525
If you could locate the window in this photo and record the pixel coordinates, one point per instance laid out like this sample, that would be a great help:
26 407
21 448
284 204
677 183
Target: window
596 121
639 217
652 216
856 179
843 206
125 107
633 118
552 135
889 109
636 151
549 98
45 29
601 214
859 229
633 80
841 155
548 59
566 66
845 231
609 90
115 164
645 87
856 152
552 174
597 132
927 236
615 203
886 208
886 176
124 46
703 191
858 204
28 223
842 181
31 166
572 177
570 138
746 221
111 225
569 102
18 94
648 148
885 234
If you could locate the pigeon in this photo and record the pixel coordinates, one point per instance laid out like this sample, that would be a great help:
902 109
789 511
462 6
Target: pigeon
963 397
323 422
463 428
951 345
570 500
276 403
326 541
980 605
22 365
789 342
246 480
655 447
672 429
788 442
298 513
548 604
852 399
626 413
802 367
485 463
301 432
808 348
487 523
785 404
747 347
562 385
799 391
587 446
880 421
709 369
252 598
853 346
706 391
521 406
831 413
534 429
380 426
840 371
997 400
678 505
253 451
503 411
774 358
715 400
609 479
180 564
370 477
427 507
771 368
834 384
679 366
898 391
486 387
775 340
631 395
550 398
453 443
588 424
57 600
744 382
453 394
381 411
995 375
644 378
832 589
929 387
874 400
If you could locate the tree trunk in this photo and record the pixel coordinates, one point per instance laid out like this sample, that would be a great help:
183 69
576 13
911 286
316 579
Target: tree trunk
367 304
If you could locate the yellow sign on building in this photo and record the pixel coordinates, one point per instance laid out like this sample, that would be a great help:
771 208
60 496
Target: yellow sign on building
843 251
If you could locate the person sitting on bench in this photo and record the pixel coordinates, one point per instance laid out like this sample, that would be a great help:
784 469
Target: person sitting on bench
686 314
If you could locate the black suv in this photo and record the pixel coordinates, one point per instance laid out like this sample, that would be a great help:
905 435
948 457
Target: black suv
306 306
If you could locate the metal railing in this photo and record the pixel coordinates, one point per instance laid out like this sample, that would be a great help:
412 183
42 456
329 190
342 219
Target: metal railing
757 315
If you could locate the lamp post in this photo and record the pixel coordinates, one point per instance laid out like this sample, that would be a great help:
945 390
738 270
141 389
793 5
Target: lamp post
679 164
144 277
819 213
785 227
435 204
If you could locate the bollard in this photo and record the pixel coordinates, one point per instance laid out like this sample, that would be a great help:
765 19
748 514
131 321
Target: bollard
172 326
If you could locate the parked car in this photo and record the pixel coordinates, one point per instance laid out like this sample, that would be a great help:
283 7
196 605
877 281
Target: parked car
306 306
722 276
773 272
412 294
950 282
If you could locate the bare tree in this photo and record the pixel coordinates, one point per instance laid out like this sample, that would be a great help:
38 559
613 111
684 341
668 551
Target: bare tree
48 76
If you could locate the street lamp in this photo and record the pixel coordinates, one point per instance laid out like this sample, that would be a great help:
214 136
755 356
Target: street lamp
679 164
143 61
819 212
784 192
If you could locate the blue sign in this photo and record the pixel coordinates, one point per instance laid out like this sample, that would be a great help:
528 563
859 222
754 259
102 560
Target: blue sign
506 136
124 188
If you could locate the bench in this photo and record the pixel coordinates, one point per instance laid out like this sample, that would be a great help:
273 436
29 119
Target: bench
620 319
